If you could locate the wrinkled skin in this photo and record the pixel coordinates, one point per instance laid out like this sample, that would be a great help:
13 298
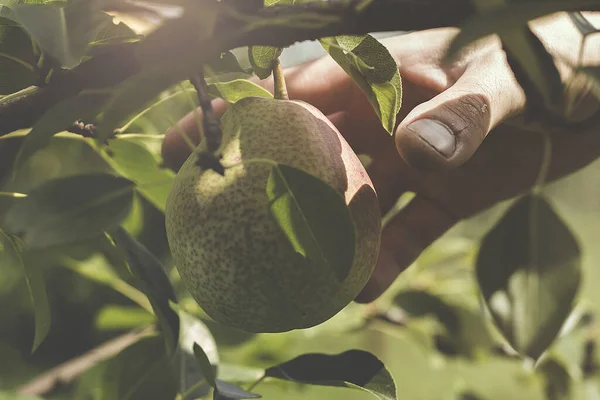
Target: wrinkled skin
478 98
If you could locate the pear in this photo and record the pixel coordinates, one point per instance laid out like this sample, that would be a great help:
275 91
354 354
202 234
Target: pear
228 248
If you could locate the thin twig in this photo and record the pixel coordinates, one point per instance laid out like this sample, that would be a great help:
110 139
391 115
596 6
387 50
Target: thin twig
81 128
256 383
70 370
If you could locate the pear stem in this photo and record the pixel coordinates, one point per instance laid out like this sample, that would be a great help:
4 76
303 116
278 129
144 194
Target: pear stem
210 122
279 82
211 128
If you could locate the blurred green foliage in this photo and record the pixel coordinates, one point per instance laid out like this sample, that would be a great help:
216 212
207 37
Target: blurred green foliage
431 329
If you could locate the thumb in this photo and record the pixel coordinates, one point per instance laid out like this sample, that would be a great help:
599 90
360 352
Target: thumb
445 131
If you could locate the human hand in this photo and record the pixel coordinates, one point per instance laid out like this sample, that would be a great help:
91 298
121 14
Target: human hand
447 164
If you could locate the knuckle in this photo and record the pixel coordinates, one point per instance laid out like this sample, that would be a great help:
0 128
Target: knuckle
471 112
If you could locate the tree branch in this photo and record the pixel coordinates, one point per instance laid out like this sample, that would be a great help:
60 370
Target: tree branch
116 65
70 370
314 20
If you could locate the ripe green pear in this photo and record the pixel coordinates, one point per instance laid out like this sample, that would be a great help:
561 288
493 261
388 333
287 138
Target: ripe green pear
232 255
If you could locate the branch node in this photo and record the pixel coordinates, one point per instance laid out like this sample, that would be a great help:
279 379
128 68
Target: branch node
81 128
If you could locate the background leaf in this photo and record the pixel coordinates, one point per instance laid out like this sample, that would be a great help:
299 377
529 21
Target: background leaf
509 16
131 159
534 68
71 209
132 96
420 303
583 25
557 379
62 31
14 396
17 59
322 231
110 35
229 391
154 283
141 371
59 118
194 333
114 317
529 270
356 369
10 253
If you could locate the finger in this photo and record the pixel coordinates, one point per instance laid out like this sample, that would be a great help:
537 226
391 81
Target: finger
175 149
445 131
409 232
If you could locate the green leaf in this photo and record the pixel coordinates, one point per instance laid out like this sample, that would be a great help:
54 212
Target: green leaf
131 159
106 269
11 265
239 374
226 63
372 61
237 89
529 271
229 391
420 303
322 231
17 60
116 317
262 59
139 372
16 74
356 369
63 31
15 396
11 253
154 282
71 209
205 365
195 333
57 119
132 96
373 69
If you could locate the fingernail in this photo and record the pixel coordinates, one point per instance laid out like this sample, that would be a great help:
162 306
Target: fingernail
436 134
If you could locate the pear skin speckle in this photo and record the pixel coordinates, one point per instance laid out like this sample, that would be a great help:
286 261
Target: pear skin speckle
229 250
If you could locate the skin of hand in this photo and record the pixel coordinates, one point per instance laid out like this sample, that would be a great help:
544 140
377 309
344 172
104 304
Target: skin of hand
438 150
